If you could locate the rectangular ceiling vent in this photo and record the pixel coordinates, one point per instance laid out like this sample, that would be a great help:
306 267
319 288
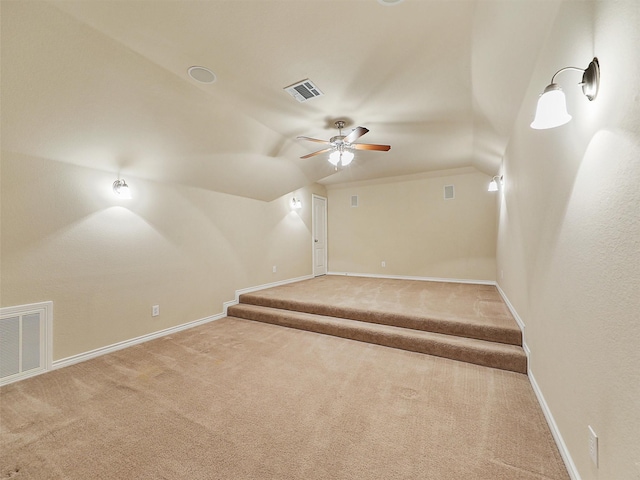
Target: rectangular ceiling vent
304 90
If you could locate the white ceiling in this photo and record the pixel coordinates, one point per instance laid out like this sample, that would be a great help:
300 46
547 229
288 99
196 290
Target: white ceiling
104 84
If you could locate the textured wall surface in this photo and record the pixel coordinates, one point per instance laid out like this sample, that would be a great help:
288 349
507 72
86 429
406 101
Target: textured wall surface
411 227
569 238
105 261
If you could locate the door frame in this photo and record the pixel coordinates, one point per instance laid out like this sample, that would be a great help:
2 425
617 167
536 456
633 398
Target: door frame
313 235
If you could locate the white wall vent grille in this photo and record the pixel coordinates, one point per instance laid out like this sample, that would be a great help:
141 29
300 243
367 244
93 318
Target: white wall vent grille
25 341
449 192
354 200
303 91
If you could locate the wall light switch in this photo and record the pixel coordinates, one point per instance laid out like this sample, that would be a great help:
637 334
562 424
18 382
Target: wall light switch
155 310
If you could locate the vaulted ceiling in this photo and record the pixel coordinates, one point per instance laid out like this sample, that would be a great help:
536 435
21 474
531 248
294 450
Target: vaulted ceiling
104 84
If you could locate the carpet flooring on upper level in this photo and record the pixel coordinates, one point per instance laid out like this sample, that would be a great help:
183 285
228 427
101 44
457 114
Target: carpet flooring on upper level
466 322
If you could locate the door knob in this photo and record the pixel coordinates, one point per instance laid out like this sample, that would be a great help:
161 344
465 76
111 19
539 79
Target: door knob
316 240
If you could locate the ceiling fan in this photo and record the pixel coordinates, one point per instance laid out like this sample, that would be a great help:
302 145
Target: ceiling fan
341 146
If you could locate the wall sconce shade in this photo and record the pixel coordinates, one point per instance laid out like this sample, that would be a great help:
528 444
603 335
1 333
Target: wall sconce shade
493 185
121 189
296 203
552 106
552 109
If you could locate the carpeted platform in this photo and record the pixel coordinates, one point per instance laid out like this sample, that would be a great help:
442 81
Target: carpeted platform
464 322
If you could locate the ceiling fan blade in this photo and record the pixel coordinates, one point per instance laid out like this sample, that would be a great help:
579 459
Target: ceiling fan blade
355 134
318 152
313 140
370 146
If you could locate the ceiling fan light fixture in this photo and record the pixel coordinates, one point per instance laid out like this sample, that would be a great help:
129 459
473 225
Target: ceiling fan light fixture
343 157
339 146
346 158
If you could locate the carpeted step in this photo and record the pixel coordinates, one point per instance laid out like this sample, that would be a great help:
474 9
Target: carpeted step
471 328
479 352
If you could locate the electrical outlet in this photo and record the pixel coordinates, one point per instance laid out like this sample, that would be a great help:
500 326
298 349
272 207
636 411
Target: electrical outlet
384 264
155 310
593 446
275 269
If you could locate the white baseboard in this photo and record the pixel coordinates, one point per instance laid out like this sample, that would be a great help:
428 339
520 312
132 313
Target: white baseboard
555 431
519 320
81 357
511 308
564 452
235 301
422 279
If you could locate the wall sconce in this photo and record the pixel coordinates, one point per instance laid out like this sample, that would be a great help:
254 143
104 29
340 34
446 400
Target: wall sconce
121 189
493 185
296 203
552 105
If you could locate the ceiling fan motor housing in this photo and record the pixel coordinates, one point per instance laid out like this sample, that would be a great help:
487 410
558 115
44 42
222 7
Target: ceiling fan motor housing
339 145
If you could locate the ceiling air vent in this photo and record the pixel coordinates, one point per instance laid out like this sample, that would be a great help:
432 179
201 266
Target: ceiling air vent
304 90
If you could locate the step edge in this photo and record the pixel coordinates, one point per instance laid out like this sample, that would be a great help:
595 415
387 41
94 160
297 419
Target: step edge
371 325
472 333
514 360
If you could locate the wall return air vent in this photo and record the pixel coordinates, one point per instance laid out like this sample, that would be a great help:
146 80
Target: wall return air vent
449 192
25 341
303 91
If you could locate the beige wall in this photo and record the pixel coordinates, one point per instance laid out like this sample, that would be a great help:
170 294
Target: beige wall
407 224
104 262
569 238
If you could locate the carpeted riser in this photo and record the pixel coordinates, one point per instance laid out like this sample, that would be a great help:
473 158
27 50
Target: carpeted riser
496 355
437 325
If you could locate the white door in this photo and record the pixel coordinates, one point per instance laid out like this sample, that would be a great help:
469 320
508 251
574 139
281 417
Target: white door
319 234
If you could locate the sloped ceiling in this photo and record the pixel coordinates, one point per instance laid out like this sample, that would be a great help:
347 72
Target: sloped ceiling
104 84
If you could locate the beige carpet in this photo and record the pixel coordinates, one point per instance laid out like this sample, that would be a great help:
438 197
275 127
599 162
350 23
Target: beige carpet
464 322
475 311
238 399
